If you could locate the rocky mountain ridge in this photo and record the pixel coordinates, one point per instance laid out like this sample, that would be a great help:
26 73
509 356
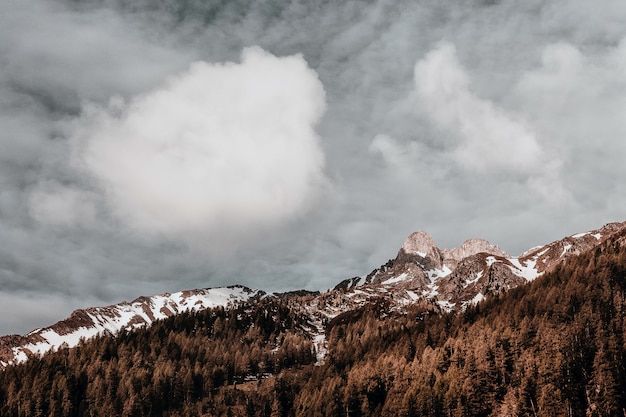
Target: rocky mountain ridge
95 321
452 278
446 279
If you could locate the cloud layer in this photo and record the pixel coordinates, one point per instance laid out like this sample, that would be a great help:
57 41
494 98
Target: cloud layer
142 144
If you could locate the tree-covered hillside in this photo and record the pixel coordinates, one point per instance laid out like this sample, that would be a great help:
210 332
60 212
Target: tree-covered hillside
555 347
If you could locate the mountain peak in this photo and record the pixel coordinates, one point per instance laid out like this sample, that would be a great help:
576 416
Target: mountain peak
422 245
443 279
419 243
472 247
455 278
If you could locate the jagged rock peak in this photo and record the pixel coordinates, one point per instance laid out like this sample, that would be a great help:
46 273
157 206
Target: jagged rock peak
419 243
472 247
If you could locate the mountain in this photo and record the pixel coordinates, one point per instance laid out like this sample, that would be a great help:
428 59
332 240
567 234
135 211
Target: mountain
555 346
91 322
421 273
455 278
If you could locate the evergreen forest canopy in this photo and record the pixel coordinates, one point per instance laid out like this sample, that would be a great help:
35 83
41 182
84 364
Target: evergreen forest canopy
554 347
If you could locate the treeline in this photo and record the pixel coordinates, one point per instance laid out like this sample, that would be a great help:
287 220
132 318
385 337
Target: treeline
555 347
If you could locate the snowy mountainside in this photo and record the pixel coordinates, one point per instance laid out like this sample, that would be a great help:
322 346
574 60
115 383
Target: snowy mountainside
454 278
445 279
441 279
91 322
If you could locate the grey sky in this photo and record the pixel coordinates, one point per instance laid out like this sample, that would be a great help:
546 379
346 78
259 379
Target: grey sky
282 145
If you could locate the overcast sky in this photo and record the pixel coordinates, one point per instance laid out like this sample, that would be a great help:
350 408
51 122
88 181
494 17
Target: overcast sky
169 145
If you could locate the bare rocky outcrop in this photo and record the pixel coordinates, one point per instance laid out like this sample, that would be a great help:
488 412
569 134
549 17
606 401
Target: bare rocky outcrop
469 248
481 273
420 247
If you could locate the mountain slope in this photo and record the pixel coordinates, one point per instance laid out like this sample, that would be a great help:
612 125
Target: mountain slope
554 347
91 322
454 278
421 273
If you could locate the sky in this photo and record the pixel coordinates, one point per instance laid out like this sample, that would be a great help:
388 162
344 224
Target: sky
154 146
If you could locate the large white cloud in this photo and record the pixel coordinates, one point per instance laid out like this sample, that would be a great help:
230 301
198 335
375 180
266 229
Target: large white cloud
217 155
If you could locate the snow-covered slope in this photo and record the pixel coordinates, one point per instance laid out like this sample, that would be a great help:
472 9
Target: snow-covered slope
444 279
91 322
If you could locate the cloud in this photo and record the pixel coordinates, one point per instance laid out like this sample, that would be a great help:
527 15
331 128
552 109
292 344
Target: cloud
217 155
490 139
56 204
558 76
556 86
578 99
402 157
568 80
31 307
61 55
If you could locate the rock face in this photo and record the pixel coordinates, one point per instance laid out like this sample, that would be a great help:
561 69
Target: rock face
469 248
420 245
439 279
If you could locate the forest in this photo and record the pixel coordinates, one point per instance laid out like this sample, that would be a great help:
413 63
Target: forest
554 347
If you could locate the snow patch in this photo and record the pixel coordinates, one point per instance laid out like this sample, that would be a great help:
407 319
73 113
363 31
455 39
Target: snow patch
542 252
491 260
473 281
402 277
439 273
413 295
319 341
527 270
531 250
434 275
446 305
19 355
478 298
579 235
565 249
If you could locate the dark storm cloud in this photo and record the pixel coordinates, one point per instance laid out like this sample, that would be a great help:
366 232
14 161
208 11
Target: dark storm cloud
501 120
